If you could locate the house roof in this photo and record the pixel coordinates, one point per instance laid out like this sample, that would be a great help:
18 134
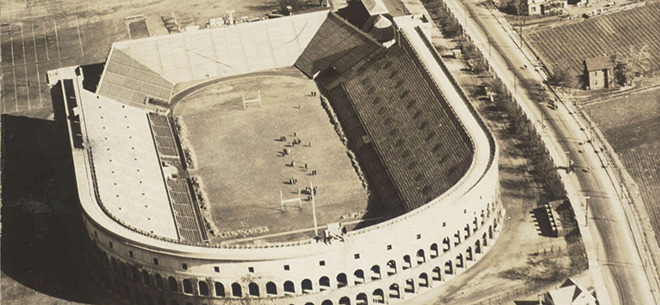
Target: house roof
571 293
599 63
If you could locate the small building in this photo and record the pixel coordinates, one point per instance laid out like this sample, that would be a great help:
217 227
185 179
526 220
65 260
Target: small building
542 7
569 293
599 72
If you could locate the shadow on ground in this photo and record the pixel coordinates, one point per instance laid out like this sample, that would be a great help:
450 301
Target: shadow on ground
43 239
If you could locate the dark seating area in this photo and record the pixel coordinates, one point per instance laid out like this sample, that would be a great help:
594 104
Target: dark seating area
404 119
163 135
338 45
187 220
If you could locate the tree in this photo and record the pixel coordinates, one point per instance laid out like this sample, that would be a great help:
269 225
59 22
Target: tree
632 64
561 77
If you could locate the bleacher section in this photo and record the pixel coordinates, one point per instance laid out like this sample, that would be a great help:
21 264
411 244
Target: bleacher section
128 81
185 213
184 206
127 171
409 124
225 51
337 44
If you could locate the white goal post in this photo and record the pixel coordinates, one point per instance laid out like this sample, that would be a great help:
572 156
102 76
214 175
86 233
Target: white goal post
288 201
256 100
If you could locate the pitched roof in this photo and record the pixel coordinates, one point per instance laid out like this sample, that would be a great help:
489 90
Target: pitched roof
337 44
599 63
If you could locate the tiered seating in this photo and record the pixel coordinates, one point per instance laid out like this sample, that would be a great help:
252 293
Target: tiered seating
421 143
187 220
163 136
377 175
337 44
129 81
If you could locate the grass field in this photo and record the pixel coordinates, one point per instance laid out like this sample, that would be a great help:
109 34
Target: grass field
631 124
567 46
239 157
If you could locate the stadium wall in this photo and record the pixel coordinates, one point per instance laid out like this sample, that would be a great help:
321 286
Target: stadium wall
385 263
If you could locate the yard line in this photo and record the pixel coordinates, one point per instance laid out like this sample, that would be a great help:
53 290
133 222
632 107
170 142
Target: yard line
23 45
27 87
11 43
46 39
79 38
15 91
57 40
41 104
34 40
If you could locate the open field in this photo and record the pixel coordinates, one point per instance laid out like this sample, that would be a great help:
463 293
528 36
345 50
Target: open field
240 160
567 46
631 123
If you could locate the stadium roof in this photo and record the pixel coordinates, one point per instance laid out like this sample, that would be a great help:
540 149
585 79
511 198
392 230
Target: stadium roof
126 166
203 54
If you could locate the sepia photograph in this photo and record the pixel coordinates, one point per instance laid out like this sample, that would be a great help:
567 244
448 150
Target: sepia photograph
330 152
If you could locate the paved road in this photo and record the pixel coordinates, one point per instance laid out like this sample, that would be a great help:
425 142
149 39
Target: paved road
617 260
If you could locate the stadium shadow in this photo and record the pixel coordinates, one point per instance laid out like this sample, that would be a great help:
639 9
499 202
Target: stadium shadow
43 240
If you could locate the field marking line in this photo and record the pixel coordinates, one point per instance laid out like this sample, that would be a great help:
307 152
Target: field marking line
4 100
34 40
41 103
11 43
57 40
15 91
23 45
27 85
79 38
46 40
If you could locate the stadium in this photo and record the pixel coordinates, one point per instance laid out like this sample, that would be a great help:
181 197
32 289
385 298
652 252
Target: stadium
321 158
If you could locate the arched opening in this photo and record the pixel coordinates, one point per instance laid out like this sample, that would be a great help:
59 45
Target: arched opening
468 254
342 281
459 261
424 280
375 272
324 283
490 232
174 302
391 267
219 289
309 303
344 301
407 262
146 279
449 267
149 299
446 244
327 302
410 286
104 258
114 265
362 299
394 291
122 270
436 274
137 297
307 286
359 276
457 235
475 223
161 301
378 296
421 258
236 290
271 289
159 281
288 287
253 289
477 247
485 239
434 251
135 274
187 286
173 285
467 230
203 288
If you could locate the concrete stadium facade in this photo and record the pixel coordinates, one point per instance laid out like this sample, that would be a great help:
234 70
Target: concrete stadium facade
386 263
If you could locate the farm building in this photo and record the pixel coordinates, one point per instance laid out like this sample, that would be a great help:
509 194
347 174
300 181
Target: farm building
538 7
570 293
599 72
